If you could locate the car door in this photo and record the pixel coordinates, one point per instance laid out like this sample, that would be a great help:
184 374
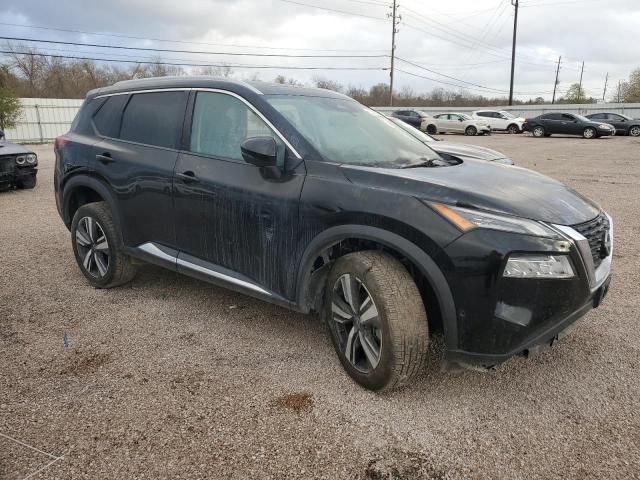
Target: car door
552 123
457 123
571 125
499 121
231 216
137 158
618 121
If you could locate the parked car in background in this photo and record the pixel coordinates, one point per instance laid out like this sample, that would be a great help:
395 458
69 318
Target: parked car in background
306 199
500 120
415 118
18 165
623 124
456 123
566 124
450 150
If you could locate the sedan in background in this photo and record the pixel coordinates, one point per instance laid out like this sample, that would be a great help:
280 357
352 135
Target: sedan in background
567 124
449 150
17 165
456 123
623 124
500 120
411 117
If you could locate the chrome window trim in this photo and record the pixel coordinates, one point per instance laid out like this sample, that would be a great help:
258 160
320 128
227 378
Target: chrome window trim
214 90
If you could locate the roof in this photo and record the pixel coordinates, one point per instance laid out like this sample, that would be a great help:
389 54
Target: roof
259 88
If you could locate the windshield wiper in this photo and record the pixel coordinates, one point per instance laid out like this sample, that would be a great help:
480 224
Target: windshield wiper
432 162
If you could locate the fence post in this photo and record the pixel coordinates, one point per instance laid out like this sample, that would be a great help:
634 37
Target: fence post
39 123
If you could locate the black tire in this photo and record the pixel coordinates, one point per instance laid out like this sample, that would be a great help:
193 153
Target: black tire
27 183
589 133
402 331
431 129
513 129
634 131
118 268
538 131
471 131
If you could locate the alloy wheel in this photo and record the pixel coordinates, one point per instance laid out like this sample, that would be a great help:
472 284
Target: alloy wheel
357 323
513 129
634 132
589 133
538 132
92 247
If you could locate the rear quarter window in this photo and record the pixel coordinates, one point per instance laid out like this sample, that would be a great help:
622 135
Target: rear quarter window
154 118
107 119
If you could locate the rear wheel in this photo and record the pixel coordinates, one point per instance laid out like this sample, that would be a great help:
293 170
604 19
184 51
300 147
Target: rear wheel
589 133
376 319
431 129
513 129
471 131
634 131
98 248
538 132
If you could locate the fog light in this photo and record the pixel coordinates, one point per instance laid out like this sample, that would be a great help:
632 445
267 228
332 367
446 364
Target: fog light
538 266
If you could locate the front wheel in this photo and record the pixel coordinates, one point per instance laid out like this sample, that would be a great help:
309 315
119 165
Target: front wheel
376 319
538 132
431 129
589 133
471 131
513 129
634 131
97 245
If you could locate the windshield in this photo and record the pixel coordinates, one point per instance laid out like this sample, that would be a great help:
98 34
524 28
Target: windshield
419 134
344 131
507 114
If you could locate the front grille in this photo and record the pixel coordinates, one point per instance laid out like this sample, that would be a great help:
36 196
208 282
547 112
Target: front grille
7 164
595 232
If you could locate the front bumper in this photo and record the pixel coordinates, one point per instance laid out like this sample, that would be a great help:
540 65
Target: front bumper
17 177
499 317
606 132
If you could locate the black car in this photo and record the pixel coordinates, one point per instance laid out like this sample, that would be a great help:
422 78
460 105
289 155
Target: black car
309 200
18 165
623 124
566 124
411 117
451 150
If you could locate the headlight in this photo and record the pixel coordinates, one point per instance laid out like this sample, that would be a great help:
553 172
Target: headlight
21 159
604 127
538 266
31 159
466 219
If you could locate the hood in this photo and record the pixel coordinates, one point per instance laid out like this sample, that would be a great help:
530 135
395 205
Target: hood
466 151
10 148
486 186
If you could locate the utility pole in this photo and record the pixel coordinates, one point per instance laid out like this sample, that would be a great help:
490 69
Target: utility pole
619 90
515 3
580 87
555 85
604 93
395 19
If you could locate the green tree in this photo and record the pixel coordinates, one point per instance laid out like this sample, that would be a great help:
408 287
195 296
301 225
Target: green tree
575 94
631 92
9 109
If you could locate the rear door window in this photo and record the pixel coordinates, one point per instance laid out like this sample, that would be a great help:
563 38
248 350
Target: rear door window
154 118
107 119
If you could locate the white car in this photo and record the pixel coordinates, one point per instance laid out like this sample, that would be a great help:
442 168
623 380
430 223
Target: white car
500 120
456 123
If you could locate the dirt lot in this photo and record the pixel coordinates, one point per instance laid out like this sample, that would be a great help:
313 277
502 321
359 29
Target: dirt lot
171 377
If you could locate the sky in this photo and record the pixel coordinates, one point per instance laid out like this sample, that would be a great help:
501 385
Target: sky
454 44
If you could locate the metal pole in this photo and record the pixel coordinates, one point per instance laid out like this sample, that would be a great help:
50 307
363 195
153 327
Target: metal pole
393 49
580 86
604 93
619 88
555 85
513 49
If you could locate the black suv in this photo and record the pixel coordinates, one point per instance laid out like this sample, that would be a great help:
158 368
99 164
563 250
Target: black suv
307 199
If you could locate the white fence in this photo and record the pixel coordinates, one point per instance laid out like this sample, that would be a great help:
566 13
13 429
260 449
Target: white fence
43 119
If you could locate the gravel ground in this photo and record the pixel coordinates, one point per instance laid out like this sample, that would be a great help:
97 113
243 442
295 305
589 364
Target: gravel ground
171 377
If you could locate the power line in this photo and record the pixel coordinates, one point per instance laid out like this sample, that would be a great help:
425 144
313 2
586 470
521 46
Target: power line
211 44
198 52
281 67
334 10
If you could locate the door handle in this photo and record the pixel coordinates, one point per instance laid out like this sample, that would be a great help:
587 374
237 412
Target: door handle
187 177
105 158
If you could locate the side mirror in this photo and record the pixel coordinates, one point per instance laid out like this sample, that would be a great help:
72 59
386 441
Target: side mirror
260 151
